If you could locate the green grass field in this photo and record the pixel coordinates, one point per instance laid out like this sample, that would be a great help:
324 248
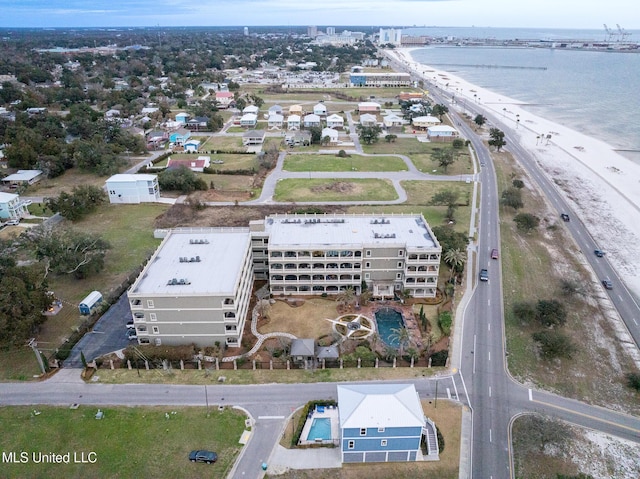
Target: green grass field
127 442
319 189
334 163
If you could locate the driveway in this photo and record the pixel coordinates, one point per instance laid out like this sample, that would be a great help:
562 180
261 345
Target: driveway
108 334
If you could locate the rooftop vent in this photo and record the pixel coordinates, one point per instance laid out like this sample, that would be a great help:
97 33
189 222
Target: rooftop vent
198 241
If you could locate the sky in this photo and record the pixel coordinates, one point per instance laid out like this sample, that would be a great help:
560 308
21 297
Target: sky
587 14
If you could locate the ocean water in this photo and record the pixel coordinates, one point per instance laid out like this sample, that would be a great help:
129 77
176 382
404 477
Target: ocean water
596 93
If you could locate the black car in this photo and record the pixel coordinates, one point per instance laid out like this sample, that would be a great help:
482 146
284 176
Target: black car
599 253
132 334
607 283
484 275
203 456
565 217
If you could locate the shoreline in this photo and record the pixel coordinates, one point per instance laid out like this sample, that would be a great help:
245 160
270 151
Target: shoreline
602 185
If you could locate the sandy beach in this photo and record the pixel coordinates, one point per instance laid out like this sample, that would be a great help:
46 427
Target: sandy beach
602 186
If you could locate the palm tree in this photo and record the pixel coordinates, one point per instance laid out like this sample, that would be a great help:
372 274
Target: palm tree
455 258
365 297
402 336
346 296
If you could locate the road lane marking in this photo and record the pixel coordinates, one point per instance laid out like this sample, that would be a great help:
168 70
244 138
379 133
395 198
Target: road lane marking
489 355
530 395
489 326
489 302
490 436
270 417
489 391
448 393
573 411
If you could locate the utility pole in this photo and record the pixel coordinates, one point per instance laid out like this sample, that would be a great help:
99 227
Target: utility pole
34 346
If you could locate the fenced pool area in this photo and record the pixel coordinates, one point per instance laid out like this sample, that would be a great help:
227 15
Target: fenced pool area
321 427
388 320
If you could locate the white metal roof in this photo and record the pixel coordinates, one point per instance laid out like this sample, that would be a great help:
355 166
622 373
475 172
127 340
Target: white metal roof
211 263
441 129
379 405
23 175
354 231
7 197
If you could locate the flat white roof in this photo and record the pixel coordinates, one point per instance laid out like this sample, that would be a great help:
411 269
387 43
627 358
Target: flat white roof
221 254
7 197
322 231
441 128
23 175
124 177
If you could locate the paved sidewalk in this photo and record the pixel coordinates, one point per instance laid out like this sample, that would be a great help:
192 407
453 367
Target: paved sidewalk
283 459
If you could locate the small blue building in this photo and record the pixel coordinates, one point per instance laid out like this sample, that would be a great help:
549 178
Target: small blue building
91 301
380 422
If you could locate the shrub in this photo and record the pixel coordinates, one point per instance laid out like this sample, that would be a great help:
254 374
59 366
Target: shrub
554 344
551 313
524 311
445 321
155 353
439 358
633 381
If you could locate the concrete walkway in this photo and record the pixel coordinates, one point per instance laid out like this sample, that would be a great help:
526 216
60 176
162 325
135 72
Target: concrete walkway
283 459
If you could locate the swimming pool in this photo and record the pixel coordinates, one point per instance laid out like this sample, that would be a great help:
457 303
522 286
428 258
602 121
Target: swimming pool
320 429
389 319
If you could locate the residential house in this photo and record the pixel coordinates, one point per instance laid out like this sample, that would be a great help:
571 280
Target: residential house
303 352
199 164
298 138
295 110
249 120
133 188
182 118
393 120
191 145
320 109
148 110
442 133
311 120
418 108
22 178
253 137
11 206
368 107
411 96
112 114
335 121
380 422
275 121
332 134
424 122
275 109
224 98
156 139
196 288
198 123
368 120
251 109
179 136
293 122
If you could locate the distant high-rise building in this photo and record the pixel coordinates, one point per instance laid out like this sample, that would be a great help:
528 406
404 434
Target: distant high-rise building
331 30
312 31
246 31
390 35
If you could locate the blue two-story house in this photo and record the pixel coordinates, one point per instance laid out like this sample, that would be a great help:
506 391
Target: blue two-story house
380 422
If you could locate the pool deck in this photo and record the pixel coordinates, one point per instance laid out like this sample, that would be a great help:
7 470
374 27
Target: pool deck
330 412
410 320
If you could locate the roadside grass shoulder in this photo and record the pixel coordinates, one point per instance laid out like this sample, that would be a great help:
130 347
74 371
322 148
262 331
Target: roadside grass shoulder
125 442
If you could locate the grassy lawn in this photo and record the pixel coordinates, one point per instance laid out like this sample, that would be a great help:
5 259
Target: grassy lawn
447 417
49 187
18 364
225 143
333 163
306 321
402 146
39 209
127 442
462 166
231 161
318 189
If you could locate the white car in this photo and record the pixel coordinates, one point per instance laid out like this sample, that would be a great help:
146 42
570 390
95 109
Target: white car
12 222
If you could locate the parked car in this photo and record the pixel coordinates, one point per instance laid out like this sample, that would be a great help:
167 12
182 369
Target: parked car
203 456
131 334
12 222
130 324
607 283
565 217
599 253
484 275
494 253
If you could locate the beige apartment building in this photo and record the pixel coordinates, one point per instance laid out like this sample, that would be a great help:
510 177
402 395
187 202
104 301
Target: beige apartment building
315 254
196 288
